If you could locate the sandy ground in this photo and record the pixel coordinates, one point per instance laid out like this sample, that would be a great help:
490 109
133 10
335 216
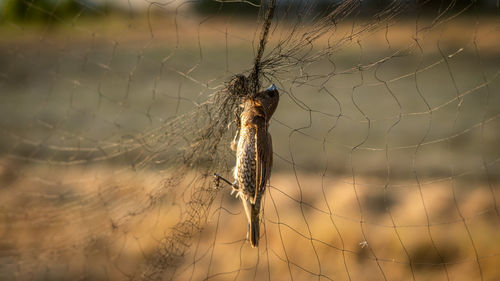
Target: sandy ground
101 223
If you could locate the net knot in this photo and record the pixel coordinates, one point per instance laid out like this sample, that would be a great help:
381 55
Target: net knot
239 86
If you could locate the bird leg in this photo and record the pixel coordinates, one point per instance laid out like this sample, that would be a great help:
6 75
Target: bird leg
234 185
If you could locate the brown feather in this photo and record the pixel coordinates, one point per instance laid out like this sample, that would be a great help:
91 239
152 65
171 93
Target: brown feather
261 167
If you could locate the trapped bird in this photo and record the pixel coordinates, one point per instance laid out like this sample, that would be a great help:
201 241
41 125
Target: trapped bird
254 155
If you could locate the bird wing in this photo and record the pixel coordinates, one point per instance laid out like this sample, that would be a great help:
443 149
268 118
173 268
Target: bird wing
263 148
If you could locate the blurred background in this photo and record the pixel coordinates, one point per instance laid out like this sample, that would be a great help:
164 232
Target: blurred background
115 114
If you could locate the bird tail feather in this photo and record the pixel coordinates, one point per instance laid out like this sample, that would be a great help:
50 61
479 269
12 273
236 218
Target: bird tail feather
254 228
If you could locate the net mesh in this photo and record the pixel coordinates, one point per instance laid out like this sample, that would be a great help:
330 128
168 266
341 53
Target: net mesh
115 116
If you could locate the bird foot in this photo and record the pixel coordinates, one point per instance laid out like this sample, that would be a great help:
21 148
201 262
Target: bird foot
236 189
218 178
216 181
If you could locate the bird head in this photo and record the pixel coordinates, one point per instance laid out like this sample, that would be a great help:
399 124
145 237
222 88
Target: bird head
268 100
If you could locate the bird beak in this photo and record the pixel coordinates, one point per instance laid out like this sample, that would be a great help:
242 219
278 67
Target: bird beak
272 88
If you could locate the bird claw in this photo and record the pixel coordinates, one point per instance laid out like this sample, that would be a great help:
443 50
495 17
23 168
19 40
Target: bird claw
216 181
234 185
237 190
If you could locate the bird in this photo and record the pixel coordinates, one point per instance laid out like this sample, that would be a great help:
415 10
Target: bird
254 155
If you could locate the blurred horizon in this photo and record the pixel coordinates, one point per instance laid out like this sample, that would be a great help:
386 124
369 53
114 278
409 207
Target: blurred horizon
41 10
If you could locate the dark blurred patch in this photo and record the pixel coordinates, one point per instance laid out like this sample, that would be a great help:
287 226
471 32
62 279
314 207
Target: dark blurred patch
210 7
292 9
426 257
9 173
379 202
46 10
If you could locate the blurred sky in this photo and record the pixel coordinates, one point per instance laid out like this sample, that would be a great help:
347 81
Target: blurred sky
139 5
